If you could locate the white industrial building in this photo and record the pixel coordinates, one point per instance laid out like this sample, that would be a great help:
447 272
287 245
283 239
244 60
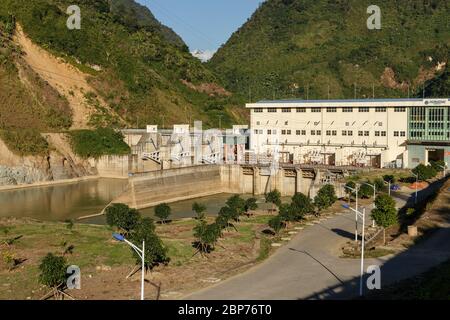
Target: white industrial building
370 132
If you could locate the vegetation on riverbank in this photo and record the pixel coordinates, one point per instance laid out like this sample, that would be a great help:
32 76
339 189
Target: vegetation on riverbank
25 142
98 142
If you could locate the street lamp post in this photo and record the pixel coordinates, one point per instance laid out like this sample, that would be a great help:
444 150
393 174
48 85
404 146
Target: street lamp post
361 215
356 205
417 182
374 196
141 254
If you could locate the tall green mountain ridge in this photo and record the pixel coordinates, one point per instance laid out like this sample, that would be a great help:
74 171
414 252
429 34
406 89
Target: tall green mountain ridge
321 49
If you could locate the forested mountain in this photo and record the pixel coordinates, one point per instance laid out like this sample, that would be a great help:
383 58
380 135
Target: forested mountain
321 48
138 71
134 15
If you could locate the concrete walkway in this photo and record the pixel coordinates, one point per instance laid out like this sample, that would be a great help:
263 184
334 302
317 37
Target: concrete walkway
309 267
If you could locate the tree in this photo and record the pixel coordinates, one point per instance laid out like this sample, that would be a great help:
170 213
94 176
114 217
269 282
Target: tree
163 211
123 217
424 172
236 203
199 209
53 274
250 204
325 198
365 191
206 236
301 205
385 213
155 251
273 197
379 184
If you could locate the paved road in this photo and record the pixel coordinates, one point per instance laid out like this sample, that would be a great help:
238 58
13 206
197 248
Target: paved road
309 267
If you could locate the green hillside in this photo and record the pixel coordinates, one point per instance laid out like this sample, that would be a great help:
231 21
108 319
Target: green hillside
288 46
146 73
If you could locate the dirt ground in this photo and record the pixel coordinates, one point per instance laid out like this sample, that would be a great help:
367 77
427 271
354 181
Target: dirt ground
105 263
65 78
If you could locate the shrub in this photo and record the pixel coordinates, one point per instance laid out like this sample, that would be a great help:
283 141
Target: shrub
97 143
301 205
237 204
389 178
325 198
199 209
438 165
274 197
163 211
26 142
379 184
277 223
121 216
365 191
424 172
155 251
250 204
53 271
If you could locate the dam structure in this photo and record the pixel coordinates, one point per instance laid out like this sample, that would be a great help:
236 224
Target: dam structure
148 189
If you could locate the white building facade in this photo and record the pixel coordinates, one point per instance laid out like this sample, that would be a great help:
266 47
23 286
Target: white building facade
369 132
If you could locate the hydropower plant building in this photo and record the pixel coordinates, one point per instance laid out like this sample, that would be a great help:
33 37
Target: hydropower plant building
381 133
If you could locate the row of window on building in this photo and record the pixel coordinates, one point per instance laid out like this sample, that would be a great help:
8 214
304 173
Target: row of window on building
328 109
345 133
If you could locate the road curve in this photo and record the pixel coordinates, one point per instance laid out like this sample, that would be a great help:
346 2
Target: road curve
309 266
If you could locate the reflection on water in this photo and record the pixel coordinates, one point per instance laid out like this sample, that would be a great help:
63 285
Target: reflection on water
60 202
71 201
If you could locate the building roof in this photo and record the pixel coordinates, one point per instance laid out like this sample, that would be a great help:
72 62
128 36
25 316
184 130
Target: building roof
401 102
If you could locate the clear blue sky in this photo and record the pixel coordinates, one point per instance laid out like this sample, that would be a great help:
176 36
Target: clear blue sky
203 24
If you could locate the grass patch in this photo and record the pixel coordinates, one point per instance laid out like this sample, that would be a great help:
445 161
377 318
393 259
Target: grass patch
264 249
99 142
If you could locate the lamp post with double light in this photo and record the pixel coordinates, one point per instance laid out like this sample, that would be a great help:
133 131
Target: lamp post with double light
361 215
374 196
141 254
355 190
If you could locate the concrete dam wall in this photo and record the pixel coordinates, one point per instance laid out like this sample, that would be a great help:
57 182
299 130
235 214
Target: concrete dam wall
151 188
